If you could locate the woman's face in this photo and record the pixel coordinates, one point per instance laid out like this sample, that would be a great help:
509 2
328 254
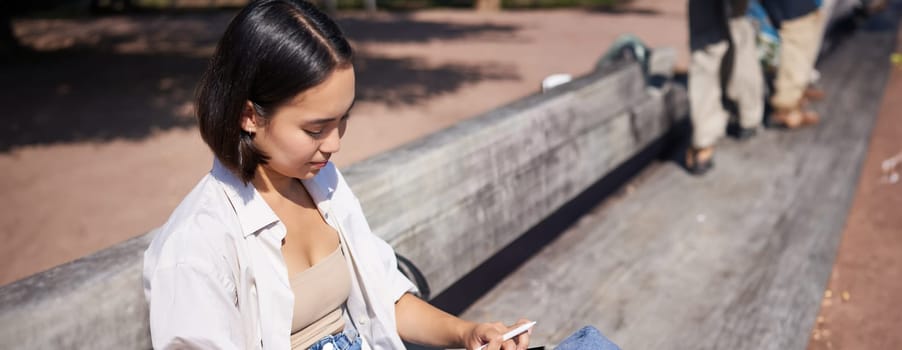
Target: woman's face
300 136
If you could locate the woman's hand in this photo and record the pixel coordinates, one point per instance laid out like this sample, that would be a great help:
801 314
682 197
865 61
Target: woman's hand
490 334
424 324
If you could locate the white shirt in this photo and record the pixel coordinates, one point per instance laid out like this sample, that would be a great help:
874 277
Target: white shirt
214 276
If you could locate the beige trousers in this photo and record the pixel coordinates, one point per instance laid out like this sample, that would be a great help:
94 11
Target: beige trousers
746 87
799 42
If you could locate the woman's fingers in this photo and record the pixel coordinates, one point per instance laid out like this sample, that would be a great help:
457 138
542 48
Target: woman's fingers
491 335
522 340
509 345
498 336
488 335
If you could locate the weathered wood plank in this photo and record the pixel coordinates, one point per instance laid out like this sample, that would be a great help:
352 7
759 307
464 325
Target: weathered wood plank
93 303
466 192
735 260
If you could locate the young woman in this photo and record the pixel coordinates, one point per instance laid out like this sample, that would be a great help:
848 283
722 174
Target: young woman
271 249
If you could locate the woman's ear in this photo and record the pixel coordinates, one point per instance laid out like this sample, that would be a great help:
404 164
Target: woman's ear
249 118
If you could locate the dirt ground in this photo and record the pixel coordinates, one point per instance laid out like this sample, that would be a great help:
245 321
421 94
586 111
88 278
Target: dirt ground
99 142
860 309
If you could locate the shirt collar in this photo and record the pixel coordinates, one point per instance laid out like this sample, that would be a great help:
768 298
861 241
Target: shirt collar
322 186
253 212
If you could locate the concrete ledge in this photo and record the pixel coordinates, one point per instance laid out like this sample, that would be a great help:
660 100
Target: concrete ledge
461 195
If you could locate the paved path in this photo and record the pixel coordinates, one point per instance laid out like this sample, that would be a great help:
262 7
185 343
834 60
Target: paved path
737 259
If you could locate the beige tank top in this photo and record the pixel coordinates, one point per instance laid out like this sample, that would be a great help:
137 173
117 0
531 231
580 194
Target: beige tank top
320 293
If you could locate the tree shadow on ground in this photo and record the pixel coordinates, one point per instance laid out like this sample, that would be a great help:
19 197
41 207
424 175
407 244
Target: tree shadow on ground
623 7
624 10
94 96
403 28
409 80
127 77
99 79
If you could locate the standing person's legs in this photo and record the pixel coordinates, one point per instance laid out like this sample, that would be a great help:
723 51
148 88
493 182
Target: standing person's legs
708 35
811 92
709 119
746 86
799 44
826 11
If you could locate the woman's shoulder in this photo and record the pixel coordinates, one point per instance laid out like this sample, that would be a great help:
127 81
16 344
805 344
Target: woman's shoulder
203 226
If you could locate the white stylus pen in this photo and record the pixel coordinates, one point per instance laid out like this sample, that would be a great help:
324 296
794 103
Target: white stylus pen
513 333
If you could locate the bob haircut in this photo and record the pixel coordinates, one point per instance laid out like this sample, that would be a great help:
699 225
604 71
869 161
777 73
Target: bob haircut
271 51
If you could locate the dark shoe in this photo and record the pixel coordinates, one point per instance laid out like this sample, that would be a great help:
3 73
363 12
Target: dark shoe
699 160
793 118
746 133
737 131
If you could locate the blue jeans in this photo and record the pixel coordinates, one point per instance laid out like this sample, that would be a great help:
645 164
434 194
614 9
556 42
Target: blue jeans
587 338
346 340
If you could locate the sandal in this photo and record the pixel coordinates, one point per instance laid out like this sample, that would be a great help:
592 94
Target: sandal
812 93
794 118
699 160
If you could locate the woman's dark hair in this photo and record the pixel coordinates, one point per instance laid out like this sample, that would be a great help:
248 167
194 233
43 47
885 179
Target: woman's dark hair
271 51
